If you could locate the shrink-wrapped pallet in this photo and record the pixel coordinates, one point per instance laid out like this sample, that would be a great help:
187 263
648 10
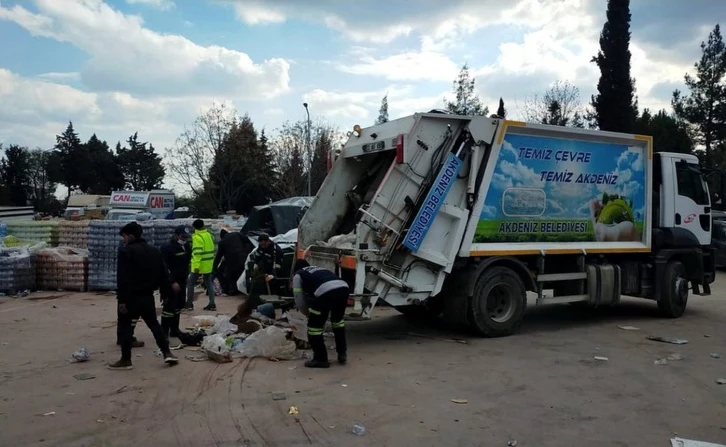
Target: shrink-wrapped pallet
62 268
73 234
104 243
41 230
17 270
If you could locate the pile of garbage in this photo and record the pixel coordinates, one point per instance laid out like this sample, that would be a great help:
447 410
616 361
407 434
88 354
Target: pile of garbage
273 339
73 234
62 268
42 230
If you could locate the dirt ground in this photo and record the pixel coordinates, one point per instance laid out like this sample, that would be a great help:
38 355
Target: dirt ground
541 387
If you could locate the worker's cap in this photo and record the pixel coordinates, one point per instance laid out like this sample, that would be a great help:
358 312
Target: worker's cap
263 237
182 230
132 229
198 224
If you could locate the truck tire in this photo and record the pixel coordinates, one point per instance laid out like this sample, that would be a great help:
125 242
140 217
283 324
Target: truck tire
498 303
674 298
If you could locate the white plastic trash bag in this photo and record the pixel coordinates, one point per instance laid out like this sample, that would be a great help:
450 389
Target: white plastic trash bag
215 343
205 321
223 327
270 342
242 282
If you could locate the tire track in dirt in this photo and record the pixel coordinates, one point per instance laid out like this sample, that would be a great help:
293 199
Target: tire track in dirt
246 368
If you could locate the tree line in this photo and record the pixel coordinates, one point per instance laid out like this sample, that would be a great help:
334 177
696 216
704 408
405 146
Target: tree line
32 176
228 165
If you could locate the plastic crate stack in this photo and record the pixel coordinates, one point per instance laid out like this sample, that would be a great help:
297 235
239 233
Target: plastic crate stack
73 234
31 230
62 268
17 270
104 242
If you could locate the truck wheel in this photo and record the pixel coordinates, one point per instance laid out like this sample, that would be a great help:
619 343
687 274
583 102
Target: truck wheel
498 303
673 299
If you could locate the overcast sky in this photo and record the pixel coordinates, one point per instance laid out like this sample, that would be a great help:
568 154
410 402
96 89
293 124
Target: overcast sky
119 66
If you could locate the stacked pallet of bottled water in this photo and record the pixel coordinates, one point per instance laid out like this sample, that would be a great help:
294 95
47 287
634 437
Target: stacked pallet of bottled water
62 268
73 234
17 270
32 230
164 229
104 242
3 229
103 245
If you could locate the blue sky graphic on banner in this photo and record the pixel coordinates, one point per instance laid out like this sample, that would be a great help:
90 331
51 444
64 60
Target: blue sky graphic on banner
565 191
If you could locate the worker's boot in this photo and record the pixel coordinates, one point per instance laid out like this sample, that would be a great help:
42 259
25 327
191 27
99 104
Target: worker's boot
341 345
320 352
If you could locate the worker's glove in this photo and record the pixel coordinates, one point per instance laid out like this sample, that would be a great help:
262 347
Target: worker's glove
269 278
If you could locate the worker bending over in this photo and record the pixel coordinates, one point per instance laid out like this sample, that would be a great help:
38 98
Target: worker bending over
319 292
265 265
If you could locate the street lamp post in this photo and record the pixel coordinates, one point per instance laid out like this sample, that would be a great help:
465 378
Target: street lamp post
310 152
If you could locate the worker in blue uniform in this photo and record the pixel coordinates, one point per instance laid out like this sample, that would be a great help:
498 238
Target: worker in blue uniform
320 293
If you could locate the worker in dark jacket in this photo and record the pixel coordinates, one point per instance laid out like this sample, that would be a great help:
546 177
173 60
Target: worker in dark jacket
264 266
135 343
141 270
177 255
233 250
319 292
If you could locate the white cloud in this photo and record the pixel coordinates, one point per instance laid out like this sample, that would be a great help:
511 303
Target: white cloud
410 66
164 5
124 55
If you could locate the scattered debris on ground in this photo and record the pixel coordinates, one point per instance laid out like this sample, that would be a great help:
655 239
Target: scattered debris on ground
84 376
460 401
601 359
673 341
81 355
629 328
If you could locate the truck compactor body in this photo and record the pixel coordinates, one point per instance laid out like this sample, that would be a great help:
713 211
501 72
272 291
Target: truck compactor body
463 215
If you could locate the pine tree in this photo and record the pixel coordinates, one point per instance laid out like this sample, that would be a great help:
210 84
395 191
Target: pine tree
74 166
140 164
501 111
106 174
383 111
467 101
705 109
615 107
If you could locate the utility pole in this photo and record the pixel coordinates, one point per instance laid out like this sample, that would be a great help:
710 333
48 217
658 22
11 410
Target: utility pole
310 153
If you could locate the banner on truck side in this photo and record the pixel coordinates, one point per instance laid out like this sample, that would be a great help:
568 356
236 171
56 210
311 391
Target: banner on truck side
561 190
435 198
126 198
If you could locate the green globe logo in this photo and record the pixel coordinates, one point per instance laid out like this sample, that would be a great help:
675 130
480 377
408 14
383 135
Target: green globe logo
615 210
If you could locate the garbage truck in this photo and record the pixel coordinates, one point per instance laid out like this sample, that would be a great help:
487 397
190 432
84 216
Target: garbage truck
462 216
